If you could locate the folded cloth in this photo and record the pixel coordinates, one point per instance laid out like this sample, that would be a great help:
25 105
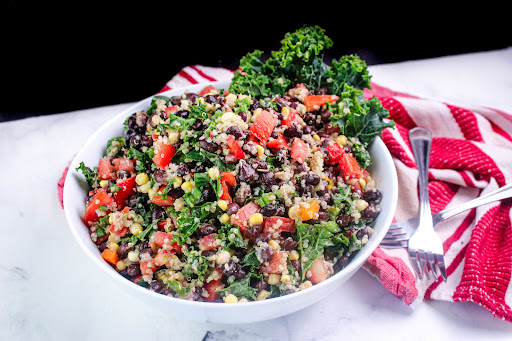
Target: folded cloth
471 155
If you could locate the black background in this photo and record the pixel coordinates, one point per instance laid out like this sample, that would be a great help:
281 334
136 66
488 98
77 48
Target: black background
64 57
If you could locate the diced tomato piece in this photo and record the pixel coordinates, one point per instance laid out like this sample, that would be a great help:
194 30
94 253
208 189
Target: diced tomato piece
277 265
163 239
206 90
315 102
100 198
336 153
264 126
163 154
210 242
147 268
349 166
106 170
172 109
300 150
123 164
278 224
227 179
235 148
279 143
319 271
158 199
163 257
291 118
241 218
212 286
126 188
121 232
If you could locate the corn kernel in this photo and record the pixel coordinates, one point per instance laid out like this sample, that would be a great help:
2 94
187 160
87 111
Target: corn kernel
342 140
293 212
213 173
178 182
263 295
113 246
103 183
133 256
141 179
145 188
285 278
121 265
285 111
361 204
260 150
362 182
274 244
187 186
256 113
316 137
230 299
135 228
225 218
152 192
256 219
293 255
110 219
223 204
305 285
243 300
273 279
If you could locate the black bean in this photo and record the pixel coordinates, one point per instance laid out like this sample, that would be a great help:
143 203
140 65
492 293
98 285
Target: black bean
295 264
330 128
263 237
208 146
268 179
312 179
235 131
372 196
267 253
156 286
141 118
176 100
152 119
207 229
323 216
259 164
158 212
325 117
134 270
167 291
246 173
271 210
123 175
260 285
233 207
242 194
254 230
208 195
371 212
198 125
182 113
135 141
341 263
361 233
176 193
230 158
209 99
289 244
208 253
123 250
324 190
182 169
343 220
160 176
293 131
307 130
234 269
309 118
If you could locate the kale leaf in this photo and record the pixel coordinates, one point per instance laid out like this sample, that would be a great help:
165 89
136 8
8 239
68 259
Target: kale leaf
91 175
312 242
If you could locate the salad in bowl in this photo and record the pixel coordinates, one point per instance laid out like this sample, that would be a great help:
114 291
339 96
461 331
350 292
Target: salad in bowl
247 192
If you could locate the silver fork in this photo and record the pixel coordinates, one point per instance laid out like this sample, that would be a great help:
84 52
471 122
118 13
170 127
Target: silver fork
400 232
425 247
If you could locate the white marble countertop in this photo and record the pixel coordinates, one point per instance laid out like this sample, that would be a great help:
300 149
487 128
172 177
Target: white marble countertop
49 289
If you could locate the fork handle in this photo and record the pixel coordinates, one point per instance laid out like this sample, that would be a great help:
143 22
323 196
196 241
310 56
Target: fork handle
421 142
499 194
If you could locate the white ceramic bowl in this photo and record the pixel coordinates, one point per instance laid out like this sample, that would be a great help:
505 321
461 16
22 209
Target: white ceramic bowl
75 192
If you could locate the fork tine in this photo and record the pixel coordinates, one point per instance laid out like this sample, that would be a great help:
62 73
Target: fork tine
432 263
441 265
424 265
394 243
415 263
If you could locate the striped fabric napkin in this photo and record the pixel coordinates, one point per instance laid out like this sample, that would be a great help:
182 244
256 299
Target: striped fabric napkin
471 156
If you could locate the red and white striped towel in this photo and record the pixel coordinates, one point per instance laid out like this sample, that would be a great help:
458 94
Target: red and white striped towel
471 155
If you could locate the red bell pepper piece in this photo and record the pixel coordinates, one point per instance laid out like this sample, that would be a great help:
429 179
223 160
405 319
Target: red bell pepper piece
106 170
299 150
126 188
349 166
164 238
206 90
278 224
158 199
315 102
100 198
163 153
235 148
123 164
291 118
279 143
241 218
336 153
209 242
264 126
212 286
277 265
227 180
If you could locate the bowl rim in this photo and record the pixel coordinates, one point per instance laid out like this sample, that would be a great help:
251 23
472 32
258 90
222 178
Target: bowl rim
353 265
